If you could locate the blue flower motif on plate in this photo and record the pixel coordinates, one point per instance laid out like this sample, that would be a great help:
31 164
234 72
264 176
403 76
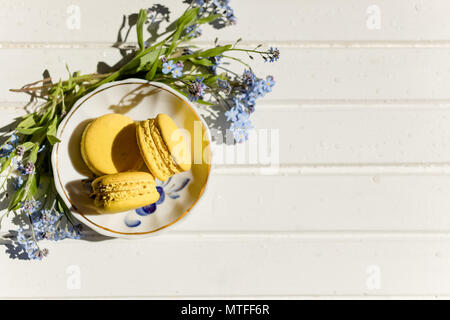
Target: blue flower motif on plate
165 188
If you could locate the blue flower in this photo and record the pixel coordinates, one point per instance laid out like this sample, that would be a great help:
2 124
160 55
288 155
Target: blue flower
177 72
175 69
46 224
168 67
223 84
221 3
258 90
268 84
196 89
240 130
193 31
20 151
13 139
244 118
239 103
25 241
28 169
17 182
248 78
249 99
273 54
30 206
216 61
6 150
232 114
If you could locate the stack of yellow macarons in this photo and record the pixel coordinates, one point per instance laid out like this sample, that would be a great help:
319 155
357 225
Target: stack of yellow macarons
114 148
163 147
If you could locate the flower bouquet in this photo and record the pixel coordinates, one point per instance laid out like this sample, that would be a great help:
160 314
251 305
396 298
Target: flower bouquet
202 75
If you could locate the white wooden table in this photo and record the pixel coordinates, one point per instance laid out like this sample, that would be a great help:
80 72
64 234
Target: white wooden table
361 203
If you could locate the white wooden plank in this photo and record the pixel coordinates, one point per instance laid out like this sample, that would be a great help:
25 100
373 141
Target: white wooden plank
323 203
320 20
357 134
304 74
25 66
174 266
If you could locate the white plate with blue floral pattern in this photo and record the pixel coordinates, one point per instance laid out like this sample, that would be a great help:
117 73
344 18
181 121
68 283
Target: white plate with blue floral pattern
139 100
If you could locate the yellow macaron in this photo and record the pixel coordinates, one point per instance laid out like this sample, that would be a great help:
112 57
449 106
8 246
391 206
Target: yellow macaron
163 147
124 191
109 145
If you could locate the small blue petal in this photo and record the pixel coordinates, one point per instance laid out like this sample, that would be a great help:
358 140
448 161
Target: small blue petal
145 211
131 223
183 185
162 195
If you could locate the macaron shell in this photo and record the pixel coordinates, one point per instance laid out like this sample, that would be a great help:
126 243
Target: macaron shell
109 145
124 191
175 141
150 153
127 178
83 152
135 202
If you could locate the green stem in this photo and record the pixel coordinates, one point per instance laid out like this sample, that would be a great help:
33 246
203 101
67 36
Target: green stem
238 60
248 50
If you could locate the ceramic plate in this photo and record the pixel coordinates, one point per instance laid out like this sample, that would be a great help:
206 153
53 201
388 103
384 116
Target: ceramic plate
139 100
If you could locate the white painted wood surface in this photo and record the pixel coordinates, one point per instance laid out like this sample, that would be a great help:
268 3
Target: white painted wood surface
361 203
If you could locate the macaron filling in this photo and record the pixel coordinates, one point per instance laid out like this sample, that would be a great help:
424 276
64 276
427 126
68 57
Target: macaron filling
151 155
162 147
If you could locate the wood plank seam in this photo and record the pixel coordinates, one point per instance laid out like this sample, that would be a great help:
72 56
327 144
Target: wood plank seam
294 44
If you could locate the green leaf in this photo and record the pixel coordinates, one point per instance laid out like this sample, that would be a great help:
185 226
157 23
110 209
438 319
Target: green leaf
49 113
149 59
214 51
32 183
52 139
28 121
204 102
201 62
151 74
59 206
5 163
188 17
33 154
51 131
140 27
69 82
17 198
27 145
30 131
208 19
211 80
192 77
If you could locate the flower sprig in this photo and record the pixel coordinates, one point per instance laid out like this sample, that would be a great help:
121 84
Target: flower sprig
200 74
